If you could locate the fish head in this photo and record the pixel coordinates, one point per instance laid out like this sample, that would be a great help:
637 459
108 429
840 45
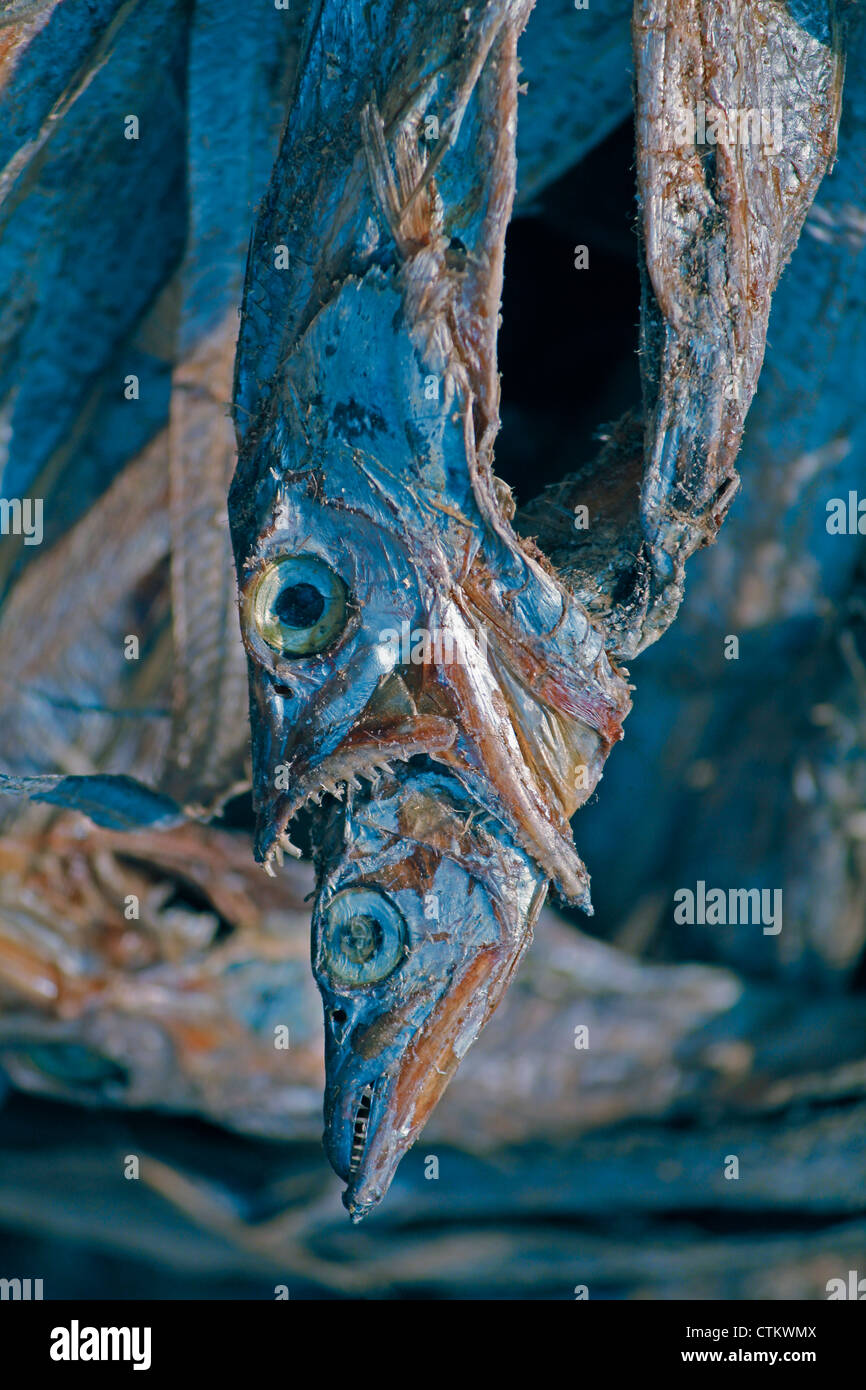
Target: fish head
424 908
389 611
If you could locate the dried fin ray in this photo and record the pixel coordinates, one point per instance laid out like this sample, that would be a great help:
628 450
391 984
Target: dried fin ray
115 801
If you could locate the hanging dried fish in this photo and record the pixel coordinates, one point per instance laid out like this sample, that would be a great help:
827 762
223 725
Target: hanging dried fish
391 613
390 610
435 682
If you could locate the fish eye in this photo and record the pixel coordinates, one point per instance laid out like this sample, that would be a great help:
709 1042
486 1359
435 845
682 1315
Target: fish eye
363 938
300 605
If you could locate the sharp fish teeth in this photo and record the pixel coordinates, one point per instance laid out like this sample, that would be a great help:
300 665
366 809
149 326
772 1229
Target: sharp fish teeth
340 789
359 1129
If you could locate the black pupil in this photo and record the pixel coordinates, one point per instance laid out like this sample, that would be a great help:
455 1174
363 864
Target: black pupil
299 605
360 938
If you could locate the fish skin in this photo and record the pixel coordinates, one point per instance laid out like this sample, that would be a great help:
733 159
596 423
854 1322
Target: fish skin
718 226
718 222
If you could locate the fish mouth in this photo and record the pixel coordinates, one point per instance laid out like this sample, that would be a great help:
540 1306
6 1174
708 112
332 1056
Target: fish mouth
367 1135
353 1143
359 1128
368 752
350 1123
527 756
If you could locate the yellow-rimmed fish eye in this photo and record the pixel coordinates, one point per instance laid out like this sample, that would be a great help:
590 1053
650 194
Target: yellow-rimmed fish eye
363 938
300 605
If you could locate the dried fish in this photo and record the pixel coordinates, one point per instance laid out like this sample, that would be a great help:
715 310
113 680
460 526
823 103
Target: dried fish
435 681
364 505
365 502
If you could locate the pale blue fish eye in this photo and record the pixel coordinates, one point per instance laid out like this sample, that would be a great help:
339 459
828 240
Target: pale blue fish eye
300 605
363 937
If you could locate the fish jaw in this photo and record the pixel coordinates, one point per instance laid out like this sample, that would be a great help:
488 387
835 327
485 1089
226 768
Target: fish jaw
404 1101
